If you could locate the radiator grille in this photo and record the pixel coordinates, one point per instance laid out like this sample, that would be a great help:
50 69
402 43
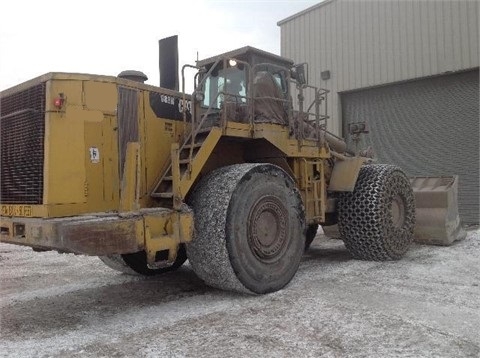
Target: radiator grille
22 126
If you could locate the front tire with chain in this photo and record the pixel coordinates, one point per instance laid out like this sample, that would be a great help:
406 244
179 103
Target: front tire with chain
376 220
249 228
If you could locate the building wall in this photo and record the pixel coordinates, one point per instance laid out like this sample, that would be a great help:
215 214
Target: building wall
366 43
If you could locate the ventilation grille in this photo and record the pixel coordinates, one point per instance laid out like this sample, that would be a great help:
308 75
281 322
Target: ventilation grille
22 126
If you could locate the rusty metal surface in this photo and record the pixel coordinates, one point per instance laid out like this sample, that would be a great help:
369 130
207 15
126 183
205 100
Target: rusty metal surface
90 235
101 237
438 221
153 229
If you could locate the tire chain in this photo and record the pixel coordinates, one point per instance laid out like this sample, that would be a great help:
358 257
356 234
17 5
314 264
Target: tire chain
365 218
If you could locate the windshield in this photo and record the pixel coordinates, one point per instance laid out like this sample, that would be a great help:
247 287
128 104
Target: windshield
234 88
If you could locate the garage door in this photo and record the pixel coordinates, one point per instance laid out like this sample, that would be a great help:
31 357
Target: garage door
429 127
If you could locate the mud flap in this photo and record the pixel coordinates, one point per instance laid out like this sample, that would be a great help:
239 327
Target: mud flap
437 219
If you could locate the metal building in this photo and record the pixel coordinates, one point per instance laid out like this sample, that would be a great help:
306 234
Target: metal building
410 69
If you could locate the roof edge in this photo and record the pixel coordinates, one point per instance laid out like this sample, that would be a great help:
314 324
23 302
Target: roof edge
244 50
85 77
303 12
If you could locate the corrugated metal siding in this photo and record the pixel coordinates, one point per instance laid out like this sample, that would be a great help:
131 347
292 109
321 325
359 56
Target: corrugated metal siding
429 127
366 43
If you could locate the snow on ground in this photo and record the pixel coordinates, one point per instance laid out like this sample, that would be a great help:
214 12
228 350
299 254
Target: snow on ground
427 304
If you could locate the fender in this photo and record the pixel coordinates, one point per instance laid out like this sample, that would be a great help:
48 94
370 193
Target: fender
345 173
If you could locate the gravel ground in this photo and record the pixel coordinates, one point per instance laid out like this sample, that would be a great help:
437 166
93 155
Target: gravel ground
425 305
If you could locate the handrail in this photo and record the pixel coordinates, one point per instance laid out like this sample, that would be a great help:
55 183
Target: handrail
194 100
320 95
184 99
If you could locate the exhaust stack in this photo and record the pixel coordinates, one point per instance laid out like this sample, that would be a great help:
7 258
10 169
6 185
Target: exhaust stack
168 62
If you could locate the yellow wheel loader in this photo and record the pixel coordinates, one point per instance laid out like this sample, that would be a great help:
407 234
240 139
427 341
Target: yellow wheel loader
235 177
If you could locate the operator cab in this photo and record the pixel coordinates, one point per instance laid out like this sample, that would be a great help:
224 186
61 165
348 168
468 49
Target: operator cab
246 78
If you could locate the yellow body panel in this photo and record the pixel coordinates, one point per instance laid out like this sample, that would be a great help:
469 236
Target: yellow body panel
64 174
72 91
101 96
345 173
157 136
81 161
130 185
165 231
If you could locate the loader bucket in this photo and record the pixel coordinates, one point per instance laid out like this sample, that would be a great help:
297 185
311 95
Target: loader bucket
437 219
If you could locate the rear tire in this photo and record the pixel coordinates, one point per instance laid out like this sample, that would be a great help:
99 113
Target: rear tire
249 224
136 263
376 220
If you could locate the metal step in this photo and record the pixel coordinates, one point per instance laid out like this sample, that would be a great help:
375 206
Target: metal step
204 130
195 145
200 138
185 153
162 195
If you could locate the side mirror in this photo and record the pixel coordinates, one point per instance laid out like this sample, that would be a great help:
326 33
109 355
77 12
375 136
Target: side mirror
300 73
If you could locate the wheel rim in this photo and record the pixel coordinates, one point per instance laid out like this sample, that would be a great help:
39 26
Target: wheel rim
267 229
398 211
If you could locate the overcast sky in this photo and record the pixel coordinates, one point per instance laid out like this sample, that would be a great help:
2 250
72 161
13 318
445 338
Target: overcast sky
106 37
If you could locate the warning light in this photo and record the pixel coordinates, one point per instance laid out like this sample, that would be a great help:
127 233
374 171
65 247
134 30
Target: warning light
58 102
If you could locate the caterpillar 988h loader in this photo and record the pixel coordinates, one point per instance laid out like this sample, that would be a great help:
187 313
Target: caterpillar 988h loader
231 177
